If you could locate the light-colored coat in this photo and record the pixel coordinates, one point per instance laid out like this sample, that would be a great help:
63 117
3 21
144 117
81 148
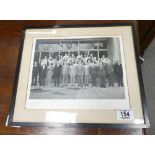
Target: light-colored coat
73 70
80 69
65 69
86 67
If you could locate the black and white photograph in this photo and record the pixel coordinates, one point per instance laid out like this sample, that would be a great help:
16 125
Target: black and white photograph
88 69
78 76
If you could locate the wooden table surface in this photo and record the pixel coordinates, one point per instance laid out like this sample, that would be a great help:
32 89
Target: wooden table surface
10 32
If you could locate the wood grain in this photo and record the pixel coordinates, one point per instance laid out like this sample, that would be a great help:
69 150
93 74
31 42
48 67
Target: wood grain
10 32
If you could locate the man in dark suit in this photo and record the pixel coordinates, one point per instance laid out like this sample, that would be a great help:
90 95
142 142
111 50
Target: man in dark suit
56 74
102 74
110 71
118 73
65 73
94 72
80 73
42 73
35 73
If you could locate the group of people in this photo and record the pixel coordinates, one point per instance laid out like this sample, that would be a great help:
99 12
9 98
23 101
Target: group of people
80 70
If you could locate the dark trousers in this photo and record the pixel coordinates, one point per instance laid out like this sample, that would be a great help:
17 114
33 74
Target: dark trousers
120 81
94 82
114 77
42 79
103 80
42 82
110 79
80 80
34 79
56 81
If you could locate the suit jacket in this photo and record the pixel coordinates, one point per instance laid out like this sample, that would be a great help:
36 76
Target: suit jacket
56 71
73 70
109 68
102 70
35 70
65 69
42 70
118 70
86 69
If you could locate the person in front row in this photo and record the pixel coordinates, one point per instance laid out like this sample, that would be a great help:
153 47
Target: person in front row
56 73
102 74
120 74
72 71
49 74
35 73
94 74
80 73
86 74
65 73
42 72
114 70
110 72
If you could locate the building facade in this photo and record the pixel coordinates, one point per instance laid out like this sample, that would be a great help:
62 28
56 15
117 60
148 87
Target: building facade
109 47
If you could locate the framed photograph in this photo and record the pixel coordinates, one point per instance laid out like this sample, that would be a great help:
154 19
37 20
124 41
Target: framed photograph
82 76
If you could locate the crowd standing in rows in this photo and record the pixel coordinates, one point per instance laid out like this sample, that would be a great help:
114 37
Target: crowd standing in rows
80 70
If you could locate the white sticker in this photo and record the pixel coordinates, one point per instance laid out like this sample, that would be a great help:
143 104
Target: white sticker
125 114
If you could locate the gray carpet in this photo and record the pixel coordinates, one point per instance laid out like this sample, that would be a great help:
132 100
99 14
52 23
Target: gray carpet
148 71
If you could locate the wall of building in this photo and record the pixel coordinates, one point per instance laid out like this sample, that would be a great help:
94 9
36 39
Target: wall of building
114 48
